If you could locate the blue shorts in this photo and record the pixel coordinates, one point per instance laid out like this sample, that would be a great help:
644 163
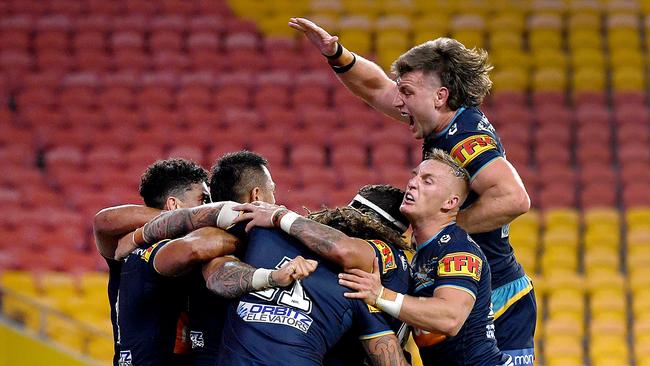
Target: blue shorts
515 319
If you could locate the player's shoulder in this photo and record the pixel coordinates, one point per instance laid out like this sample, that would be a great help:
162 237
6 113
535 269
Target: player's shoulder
457 239
471 120
390 257
145 254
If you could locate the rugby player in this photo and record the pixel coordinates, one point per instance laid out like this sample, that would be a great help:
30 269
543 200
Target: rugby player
438 88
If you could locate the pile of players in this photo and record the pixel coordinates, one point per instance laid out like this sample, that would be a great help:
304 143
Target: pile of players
243 281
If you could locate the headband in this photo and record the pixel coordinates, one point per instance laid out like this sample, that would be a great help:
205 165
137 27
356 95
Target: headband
364 201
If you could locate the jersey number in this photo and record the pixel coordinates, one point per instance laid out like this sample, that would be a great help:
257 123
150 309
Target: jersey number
294 297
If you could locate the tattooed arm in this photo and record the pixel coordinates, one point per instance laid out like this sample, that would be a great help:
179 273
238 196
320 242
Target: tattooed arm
230 278
181 255
327 242
384 351
111 223
172 224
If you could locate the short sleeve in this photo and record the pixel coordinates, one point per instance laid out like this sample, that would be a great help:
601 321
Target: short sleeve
460 266
368 322
149 254
385 254
473 150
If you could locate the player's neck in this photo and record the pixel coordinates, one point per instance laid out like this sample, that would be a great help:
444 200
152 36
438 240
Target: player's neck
427 229
446 116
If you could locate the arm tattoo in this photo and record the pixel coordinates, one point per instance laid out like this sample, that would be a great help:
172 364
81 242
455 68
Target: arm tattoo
231 280
384 351
317 237
176 223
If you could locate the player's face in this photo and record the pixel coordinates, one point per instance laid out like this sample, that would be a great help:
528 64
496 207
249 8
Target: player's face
197 195
428 191
415 97
267 191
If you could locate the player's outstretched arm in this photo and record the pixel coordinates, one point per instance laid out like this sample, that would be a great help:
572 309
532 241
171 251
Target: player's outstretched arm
181 255
443 313
325 241
365 79
174 224
230 278
502 198
111 223
384 351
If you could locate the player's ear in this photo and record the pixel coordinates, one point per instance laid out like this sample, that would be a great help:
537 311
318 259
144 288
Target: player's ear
451 203
255 194
172 203
442 94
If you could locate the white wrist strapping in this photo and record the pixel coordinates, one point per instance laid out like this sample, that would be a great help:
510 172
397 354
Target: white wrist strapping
389 307
261 278
287 220
226 215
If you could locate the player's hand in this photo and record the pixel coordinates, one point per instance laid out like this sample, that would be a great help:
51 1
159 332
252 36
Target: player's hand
367 285
294 270
259 213
318 36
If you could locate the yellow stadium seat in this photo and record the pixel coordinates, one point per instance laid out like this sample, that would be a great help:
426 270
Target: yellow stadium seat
639 280
403 7
506 79
611 327
567 281
478 7
565 305
19 281
627 58
539 39
58 284
642 333
469 30
550 78
608 360
501 39
637 217
585 7
525 225
638 237
470 38
101 348
599 283
504 21
623 39
601 259
588 79
602 236
588 58
355 32
369 8
527 257
327 9
610 347
563 217
641 305
66 332
559 258
609 217
628 79
433 23
580 21
565 326
563 350
638 261
544 58
560 237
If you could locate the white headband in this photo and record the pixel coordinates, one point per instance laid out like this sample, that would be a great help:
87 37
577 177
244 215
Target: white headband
362 200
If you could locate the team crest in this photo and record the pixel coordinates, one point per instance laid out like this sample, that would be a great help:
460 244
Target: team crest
445 239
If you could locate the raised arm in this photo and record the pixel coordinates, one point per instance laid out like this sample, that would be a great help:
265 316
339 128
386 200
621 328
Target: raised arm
365 79
174 224
384 351
181 255
444 313
230 278
325 241
111 223
502 198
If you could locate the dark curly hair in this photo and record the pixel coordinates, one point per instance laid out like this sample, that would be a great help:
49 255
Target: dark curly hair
236 174
170 177
355 223
388 199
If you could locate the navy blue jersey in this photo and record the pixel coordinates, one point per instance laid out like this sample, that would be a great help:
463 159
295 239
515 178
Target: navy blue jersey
149 307
114 270
297 324
453 259
395 275
207 312
473 143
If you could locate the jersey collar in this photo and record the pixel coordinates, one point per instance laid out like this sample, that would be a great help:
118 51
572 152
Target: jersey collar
459 111
426 243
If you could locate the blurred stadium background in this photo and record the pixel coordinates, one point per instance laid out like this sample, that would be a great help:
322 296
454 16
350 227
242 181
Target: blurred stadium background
92 91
